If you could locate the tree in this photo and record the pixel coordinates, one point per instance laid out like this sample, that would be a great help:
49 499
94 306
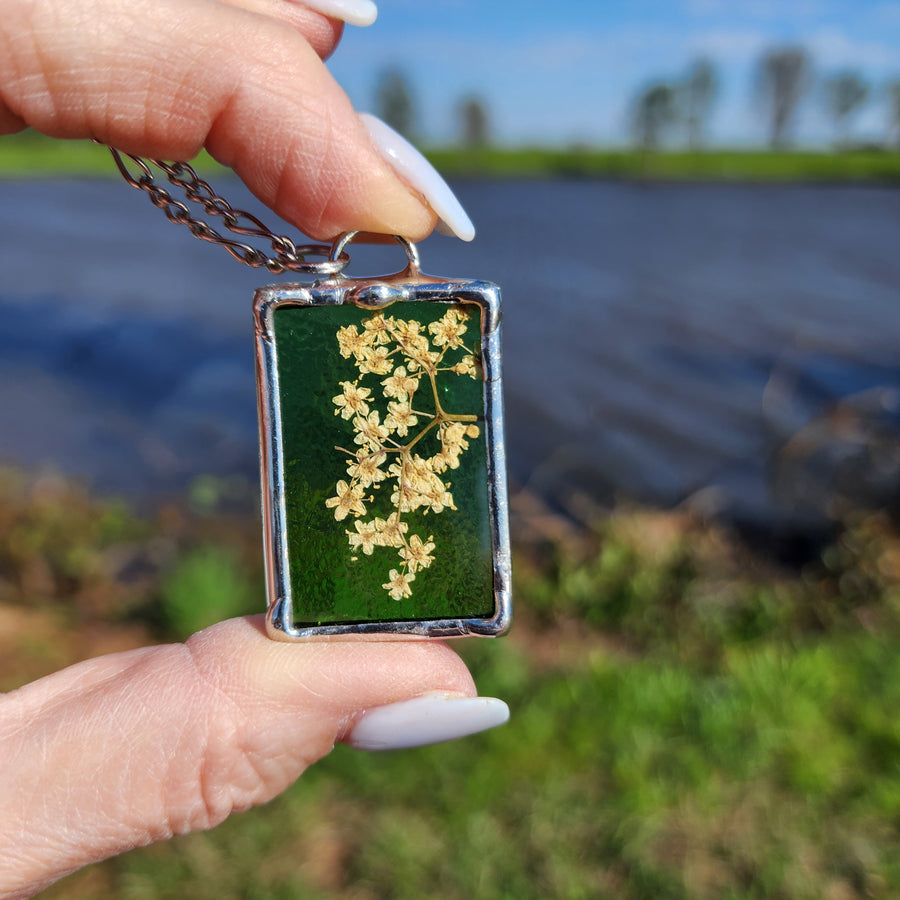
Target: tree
475 123
893 106
844 94
783 80
395 102
655 110
701 88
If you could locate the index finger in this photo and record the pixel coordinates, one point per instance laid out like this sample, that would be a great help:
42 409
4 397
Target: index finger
164 78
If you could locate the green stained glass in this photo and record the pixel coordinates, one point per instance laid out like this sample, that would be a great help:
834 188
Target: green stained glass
385 472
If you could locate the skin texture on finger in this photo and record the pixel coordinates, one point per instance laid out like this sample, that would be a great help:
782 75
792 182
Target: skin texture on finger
321 32
163 78
132 748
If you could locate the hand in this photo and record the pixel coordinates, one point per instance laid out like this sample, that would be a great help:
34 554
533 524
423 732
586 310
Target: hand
245 79
131 748
134 747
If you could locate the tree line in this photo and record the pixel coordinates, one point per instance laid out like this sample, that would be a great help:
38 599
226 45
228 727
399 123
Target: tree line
396 105
665 110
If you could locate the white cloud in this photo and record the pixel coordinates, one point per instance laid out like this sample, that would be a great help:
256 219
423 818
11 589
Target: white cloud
730 46
833 48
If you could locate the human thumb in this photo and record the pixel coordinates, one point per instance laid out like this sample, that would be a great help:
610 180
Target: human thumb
134 747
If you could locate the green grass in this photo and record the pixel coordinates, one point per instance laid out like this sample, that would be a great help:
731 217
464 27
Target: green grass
773 777
688 720
715 165
206 586
32 155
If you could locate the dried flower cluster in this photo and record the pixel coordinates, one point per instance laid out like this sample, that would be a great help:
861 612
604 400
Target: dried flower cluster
406 360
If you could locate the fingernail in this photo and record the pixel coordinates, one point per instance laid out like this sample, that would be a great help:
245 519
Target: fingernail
426 720
353 12
420 175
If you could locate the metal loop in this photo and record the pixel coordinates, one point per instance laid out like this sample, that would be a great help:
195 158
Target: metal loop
338 250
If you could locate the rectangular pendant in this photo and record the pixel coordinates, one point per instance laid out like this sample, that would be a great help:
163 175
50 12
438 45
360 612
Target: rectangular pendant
383 467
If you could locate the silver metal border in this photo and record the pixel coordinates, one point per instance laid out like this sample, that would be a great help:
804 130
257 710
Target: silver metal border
372 294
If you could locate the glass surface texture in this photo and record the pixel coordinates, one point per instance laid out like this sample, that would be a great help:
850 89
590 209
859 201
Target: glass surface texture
385 470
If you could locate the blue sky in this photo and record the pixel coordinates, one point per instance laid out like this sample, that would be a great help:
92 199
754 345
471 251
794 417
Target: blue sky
560 73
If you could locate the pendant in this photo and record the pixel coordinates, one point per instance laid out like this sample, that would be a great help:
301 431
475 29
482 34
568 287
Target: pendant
383 467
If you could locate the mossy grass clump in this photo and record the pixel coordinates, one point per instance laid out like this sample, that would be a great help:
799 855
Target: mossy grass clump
689 720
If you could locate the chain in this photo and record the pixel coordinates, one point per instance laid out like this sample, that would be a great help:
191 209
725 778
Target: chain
287 256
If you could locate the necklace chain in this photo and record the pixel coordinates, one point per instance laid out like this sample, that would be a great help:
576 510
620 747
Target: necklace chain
286 255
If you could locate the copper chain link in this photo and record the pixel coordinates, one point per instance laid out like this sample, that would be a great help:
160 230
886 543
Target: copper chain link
287 256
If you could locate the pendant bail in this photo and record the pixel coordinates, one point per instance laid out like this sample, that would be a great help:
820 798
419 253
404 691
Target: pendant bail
413 266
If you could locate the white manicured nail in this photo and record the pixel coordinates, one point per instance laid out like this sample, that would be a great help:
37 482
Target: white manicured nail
426 720
353 12
420 175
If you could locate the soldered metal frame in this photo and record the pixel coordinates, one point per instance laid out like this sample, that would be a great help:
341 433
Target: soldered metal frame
408 285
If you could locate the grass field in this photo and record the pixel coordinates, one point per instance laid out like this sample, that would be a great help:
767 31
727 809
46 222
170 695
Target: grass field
32 155
688 720
716 165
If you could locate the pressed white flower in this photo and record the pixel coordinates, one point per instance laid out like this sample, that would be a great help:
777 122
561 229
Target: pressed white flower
449 329
466 366
417 553
397 359
401 385
399 583
367 470
423 359
351 400
400 418
349 499
379 328
408 335
391 530
351 342
375 360
369 430
366 536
